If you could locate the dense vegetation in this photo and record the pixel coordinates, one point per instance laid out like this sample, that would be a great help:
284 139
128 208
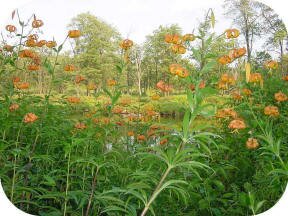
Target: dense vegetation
184 124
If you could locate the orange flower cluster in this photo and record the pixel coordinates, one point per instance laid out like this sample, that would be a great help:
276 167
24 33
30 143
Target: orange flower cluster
237 53
232 33
280 97
27 53
252 143
80 126
237 124
188 37
126 44
69 68
178 70
271 64
73 100
225 81
173 38
163 86
79 79
271 111
178 49
21 86
13 107
30 117
74 33
233 54
141 137
177 42
255 78
11 28
51 44
224 60
226 113
33 67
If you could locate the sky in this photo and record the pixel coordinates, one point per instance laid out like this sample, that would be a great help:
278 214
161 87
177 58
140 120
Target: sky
132 18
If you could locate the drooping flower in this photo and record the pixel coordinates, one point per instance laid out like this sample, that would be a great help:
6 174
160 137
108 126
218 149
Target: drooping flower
11 28
237 53
30 43
280 97
252 143
126 44
79 79
41 43
255 77
73 100
172 38
178 70
33 67
80 126
271 111
237 124
224 60
37 23
69 68
27 53
178 49
23 85
51 44
232 33
74 33
226 113
30 117
141 137
188 37
13 107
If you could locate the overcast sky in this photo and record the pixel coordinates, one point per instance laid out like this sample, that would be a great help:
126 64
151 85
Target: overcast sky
133 18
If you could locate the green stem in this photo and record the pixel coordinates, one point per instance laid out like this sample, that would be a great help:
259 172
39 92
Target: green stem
14 166
155 193
67 184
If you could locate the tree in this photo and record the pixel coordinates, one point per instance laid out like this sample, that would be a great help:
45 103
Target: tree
246 15
137 58
158 56
277 30
98 48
